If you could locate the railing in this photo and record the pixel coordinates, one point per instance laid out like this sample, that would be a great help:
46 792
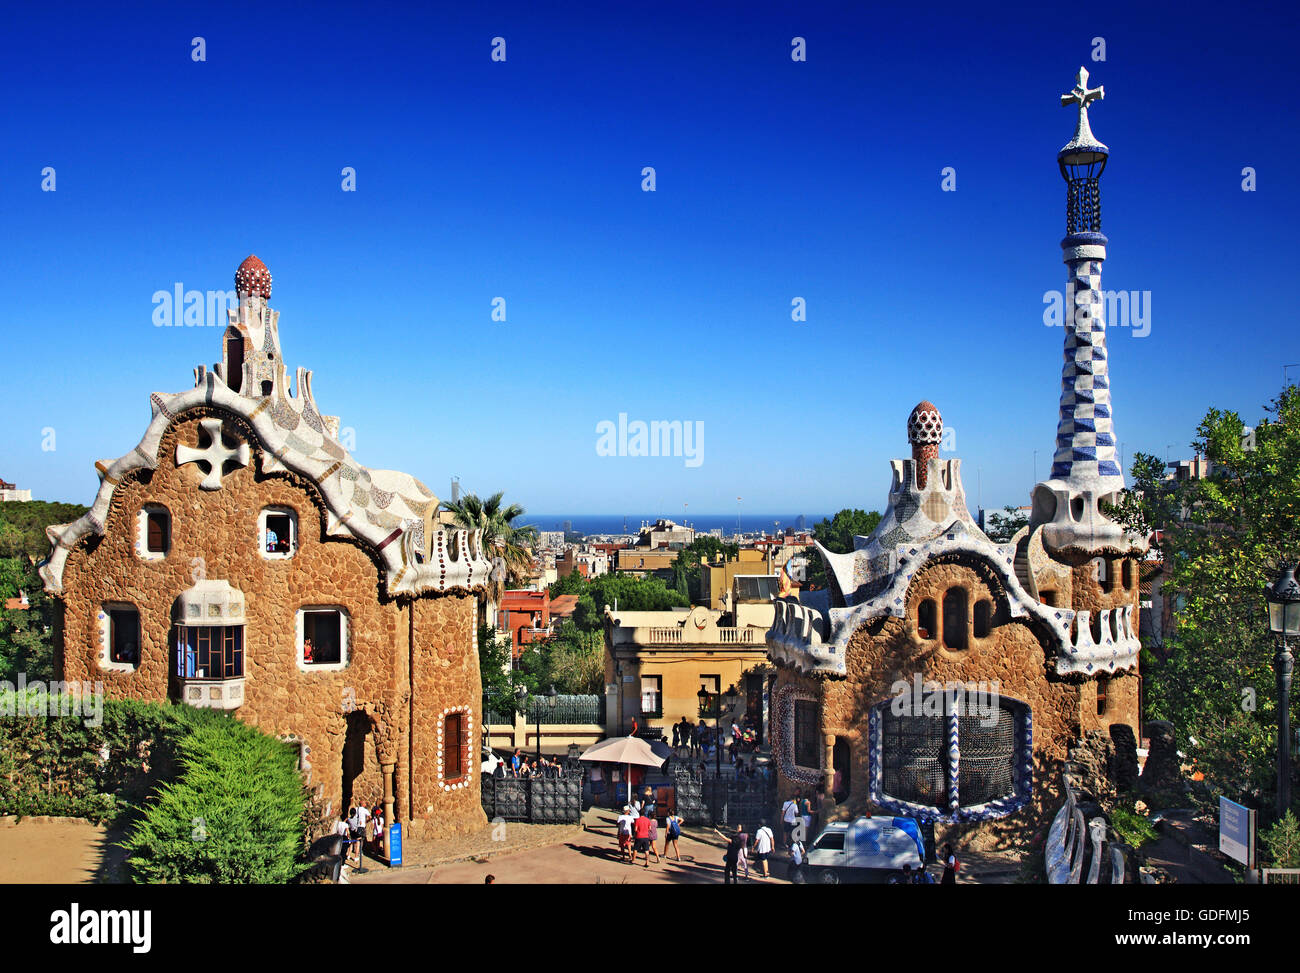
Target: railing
567 709
678 635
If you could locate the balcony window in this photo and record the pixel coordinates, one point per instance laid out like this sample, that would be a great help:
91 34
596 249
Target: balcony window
210 651
322 638
277 533
986 740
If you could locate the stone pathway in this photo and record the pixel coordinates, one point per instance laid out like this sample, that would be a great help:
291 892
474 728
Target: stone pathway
583 857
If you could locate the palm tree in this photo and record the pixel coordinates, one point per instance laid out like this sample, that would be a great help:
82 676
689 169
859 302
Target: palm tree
502 537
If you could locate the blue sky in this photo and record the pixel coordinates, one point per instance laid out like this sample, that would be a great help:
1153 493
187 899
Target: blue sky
522 179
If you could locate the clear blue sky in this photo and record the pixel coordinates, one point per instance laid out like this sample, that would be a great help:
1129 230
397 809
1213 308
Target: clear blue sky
522 179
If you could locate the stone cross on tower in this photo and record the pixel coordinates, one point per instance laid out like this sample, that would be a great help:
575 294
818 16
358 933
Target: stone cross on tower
1082 93
216 455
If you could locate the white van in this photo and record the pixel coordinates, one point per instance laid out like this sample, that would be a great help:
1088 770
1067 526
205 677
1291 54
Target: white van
865 850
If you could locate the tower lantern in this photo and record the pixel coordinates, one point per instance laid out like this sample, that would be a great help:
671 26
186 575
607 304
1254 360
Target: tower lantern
1082 160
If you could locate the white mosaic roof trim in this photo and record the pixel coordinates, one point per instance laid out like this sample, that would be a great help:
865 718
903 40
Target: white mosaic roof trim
914 514
814 642
389 512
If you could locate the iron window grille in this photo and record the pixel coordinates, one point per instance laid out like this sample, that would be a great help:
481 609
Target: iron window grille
942 764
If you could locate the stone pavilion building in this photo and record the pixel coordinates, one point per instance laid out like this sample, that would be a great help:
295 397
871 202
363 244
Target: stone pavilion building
240 558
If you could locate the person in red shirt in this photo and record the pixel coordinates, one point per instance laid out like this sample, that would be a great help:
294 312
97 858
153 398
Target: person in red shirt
641 829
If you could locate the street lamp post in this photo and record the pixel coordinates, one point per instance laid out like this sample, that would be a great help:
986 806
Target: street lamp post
1284 621
730 698
522 694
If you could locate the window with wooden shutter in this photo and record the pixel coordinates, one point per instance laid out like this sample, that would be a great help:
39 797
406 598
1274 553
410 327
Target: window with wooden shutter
157 532
453 746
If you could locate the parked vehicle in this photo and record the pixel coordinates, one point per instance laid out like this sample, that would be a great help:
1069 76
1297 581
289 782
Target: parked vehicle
865 850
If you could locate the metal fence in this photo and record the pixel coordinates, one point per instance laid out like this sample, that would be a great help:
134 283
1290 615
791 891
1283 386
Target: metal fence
743 803
538 800
567 709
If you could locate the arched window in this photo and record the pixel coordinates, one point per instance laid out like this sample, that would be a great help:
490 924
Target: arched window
1128 573
927 619
1103 690
983 620
954 619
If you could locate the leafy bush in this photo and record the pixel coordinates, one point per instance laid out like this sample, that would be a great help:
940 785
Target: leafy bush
59 765
234 815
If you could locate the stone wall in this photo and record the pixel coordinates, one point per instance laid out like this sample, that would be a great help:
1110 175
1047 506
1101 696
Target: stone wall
445 680
214 534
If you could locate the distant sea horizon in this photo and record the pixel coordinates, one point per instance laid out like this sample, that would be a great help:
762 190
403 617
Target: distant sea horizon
703 523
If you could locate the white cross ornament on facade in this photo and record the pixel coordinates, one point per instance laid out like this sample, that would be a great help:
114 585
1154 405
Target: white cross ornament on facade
216 455
1082 94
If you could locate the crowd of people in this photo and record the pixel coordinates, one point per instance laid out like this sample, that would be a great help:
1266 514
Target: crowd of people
363 828
638 830
694 739
520 765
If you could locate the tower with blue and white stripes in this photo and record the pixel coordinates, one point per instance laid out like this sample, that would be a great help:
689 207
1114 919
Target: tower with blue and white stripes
1085 467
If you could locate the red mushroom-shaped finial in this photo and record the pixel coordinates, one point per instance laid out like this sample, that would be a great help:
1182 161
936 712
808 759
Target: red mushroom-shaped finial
924 432
253 279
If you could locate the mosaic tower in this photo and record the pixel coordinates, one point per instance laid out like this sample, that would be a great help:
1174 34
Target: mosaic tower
1085 467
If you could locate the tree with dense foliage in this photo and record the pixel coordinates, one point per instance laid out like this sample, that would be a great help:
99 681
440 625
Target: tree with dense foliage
1223 537
836 535
27 634
235 815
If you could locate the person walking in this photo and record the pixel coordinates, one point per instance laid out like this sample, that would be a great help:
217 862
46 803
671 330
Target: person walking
625 832
641 831
677 735
789 815
798 855
764 842
673 832
731 857
654 837
950 866
806 813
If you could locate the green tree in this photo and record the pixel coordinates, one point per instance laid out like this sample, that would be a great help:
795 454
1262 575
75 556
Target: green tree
1004 524
27 634
836 535
1223 537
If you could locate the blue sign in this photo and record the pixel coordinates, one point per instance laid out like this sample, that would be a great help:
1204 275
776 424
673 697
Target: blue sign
1237 831
395 845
